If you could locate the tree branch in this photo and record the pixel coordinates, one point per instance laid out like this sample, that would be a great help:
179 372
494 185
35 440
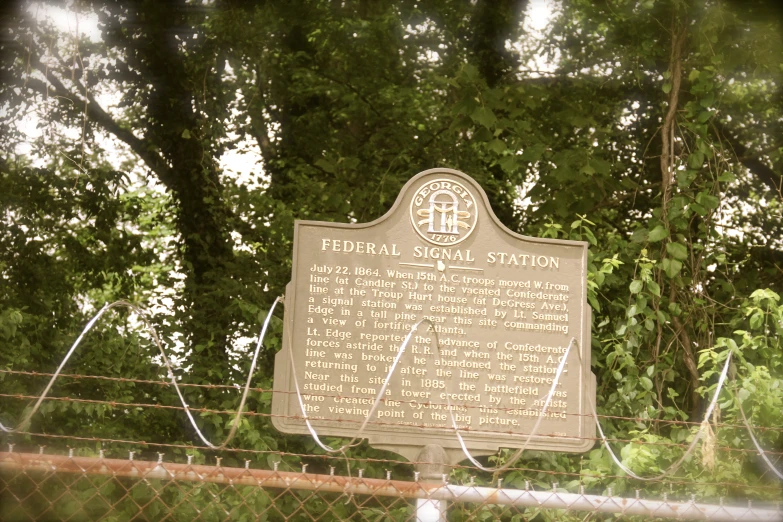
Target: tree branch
769 177
667 131
353 90
97 114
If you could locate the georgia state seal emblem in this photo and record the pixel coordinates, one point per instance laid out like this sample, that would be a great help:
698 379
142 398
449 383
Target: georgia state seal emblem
443 212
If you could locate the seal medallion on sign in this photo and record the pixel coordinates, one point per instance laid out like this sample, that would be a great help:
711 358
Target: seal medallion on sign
443 212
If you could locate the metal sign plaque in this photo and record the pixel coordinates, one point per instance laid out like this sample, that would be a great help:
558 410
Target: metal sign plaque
505 308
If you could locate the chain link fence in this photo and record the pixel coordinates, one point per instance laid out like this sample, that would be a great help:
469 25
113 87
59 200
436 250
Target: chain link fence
74 475
40 486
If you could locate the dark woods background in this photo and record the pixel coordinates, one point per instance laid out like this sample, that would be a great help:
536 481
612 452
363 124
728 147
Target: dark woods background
650 128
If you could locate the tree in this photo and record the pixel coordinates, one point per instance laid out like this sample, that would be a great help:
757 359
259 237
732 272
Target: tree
654 135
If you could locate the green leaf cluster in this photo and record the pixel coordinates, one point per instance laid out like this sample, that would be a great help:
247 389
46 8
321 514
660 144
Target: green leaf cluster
648 129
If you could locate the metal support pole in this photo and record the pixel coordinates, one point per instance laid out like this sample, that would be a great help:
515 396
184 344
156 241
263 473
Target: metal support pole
431 466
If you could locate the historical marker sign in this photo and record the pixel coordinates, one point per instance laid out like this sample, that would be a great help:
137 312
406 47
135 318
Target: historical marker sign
505 307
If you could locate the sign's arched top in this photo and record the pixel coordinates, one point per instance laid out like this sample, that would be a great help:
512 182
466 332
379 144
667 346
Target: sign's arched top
443 212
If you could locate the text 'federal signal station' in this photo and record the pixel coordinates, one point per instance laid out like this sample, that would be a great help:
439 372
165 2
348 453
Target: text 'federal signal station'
504 307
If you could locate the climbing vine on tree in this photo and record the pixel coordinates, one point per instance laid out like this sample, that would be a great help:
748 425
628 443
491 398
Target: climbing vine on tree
653 132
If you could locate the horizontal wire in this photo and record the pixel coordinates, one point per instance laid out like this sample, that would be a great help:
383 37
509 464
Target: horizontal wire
156 339
129 379
355 421
763 453
404 401
363 460
540 416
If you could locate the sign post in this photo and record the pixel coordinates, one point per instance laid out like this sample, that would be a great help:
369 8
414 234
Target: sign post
505 308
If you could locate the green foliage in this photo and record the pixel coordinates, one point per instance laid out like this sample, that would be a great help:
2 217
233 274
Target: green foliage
340 104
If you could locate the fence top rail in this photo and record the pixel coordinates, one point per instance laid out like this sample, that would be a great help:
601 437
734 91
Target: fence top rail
359 485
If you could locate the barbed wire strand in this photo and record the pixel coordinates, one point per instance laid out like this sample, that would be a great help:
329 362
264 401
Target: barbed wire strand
236 387
378 398
23 424
115 404
122 303
389 375
673 468
382 391
756 443
353 442
512 460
